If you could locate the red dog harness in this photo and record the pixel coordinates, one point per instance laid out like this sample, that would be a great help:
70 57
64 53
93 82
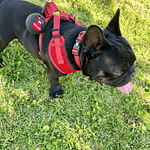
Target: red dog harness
56 49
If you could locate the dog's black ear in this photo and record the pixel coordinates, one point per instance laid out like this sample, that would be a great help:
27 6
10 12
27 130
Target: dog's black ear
113 25
93 43
94 37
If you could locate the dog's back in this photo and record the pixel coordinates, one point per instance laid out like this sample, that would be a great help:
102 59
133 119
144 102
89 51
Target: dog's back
6 23
13 14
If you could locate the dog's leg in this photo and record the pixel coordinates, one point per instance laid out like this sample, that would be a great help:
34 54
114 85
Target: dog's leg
55 90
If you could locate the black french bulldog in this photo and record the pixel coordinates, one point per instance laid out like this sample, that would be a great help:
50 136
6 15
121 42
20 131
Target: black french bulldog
105 56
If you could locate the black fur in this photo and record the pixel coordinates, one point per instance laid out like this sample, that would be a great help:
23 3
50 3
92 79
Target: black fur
105 55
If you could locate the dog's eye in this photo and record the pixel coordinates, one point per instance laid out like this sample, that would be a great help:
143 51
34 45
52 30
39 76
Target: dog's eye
95 54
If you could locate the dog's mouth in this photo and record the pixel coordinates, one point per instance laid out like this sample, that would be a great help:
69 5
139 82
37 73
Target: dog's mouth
119 81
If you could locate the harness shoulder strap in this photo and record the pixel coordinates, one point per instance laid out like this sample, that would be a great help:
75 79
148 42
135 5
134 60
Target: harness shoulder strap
56 37
70 17
50 8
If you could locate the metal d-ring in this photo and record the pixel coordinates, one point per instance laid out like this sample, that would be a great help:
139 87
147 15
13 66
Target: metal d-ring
81 32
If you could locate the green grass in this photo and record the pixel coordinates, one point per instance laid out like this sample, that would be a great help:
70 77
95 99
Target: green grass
88 116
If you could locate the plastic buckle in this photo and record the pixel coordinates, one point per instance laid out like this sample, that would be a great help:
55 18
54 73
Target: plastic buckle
72 19
77 44
76 48
57 29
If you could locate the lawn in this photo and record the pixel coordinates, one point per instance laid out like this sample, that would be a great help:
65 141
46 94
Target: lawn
88 116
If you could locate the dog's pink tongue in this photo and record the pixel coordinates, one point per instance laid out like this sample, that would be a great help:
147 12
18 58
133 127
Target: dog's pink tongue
126 88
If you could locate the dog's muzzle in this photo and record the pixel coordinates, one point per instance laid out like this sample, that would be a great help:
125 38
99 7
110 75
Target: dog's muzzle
122 79
119 81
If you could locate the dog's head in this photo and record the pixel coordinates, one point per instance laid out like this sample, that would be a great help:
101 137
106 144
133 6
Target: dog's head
106 56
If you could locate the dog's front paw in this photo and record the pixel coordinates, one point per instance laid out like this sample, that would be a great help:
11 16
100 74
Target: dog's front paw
56 91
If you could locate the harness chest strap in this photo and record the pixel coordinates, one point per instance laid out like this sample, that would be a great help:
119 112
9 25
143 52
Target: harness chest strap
57 51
